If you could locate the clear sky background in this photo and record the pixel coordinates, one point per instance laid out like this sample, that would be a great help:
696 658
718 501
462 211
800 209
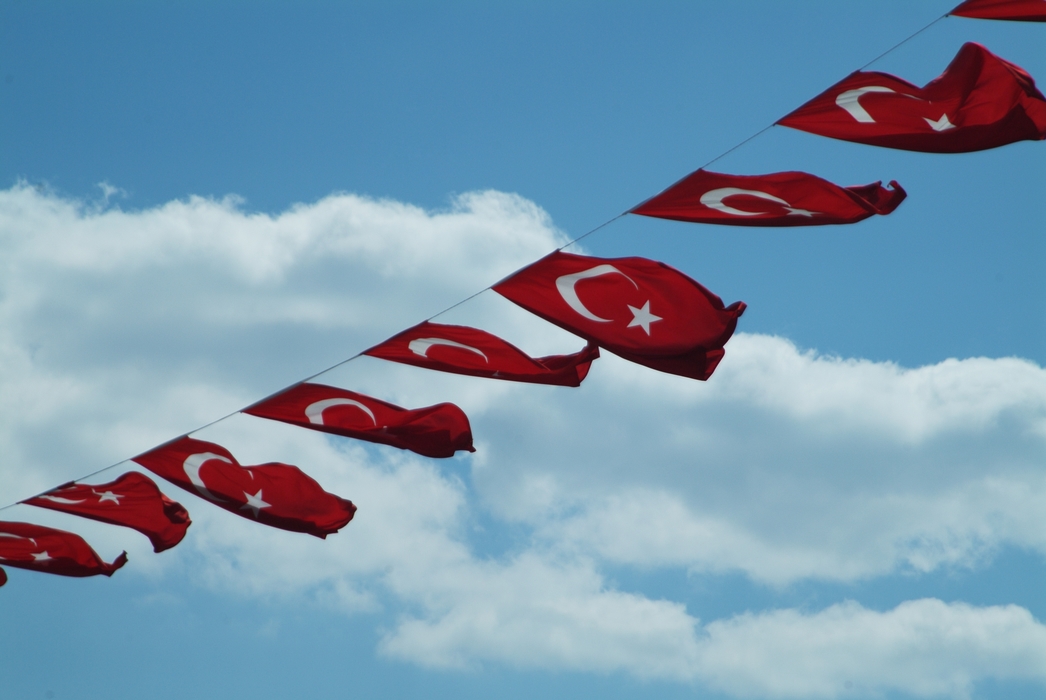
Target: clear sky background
205 202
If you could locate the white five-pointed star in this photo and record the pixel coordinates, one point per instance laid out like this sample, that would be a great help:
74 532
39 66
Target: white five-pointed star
642 317
108 496
941 124
254 502
792 211
41 556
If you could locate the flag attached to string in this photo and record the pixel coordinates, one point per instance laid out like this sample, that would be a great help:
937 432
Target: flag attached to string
1017 10
132 501
280 495
476 353
639 309
39 548
979 102
777 199
433 431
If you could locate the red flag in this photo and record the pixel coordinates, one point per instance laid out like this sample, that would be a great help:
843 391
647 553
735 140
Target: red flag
1019 10
435 431
275 494
778 199
979 102
642 310
40 548
132 501
470 351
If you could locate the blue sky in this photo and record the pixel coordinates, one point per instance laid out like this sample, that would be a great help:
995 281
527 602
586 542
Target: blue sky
850 507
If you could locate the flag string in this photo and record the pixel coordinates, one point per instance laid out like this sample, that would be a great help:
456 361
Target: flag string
573 241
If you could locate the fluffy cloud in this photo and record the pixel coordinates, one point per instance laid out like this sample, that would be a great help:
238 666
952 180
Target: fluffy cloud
124 329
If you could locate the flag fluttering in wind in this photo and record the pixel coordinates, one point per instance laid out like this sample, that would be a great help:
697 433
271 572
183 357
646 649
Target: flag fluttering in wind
433 431
132 501
1018 10
639 309
39 548
470 351
979 102
280 495
777 199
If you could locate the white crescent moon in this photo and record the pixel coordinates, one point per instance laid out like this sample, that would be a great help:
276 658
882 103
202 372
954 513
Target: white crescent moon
848 100
420 346
66 501
713 199
192 465
565 286
314 411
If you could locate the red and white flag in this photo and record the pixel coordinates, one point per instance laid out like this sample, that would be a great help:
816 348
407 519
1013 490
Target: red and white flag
470 351
1019 10
132 501
979 102
39 548
274 494
642 310
434 431
778 199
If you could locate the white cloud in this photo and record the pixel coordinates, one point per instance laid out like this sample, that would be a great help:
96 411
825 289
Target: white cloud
925 648
124 329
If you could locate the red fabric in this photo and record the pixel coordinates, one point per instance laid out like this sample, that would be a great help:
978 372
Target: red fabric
132 501
3 577
778 199
642 310
437 346
39 548
275 494
435 431
1021 10
979 102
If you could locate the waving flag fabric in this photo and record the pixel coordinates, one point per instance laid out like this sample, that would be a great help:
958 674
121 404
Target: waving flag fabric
132 501
470 351
1020 10
778 199
435 431
39 548
642 310
274 494
979 102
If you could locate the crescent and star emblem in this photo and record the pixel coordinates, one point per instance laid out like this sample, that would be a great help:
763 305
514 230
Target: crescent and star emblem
192 465
713 199
850 101
566 286
314 411
420 346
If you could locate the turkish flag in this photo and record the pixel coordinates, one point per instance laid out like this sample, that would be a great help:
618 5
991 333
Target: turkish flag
642 310
274 494
470 351
132 501
40 548
1020 10
979 102
778 199
435 431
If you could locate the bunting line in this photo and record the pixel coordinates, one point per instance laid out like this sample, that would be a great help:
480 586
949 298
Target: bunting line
476 294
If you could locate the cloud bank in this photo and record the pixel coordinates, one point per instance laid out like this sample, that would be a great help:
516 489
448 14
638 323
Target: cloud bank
126 328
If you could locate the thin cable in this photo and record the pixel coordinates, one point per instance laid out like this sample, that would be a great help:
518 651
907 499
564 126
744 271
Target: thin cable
472 296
